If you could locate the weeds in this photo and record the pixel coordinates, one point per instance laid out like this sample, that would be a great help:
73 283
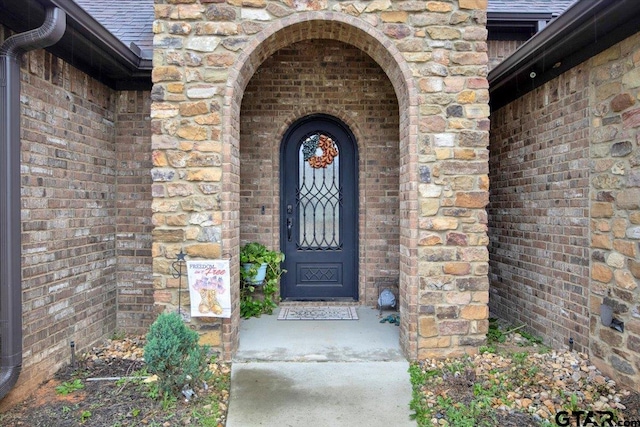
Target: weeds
118 335
456 395
487 349
84 416
495 335
68 387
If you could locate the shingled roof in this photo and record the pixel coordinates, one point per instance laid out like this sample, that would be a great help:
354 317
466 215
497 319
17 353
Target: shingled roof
554 7
131 21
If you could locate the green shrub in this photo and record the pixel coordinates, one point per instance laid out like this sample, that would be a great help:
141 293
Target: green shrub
172 353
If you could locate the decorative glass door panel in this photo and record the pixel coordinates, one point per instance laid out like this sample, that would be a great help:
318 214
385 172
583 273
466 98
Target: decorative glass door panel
319 210
319 196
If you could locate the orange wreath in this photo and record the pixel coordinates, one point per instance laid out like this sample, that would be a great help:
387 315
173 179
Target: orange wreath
329 152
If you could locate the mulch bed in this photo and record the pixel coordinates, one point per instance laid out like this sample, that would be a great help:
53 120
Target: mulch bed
108 402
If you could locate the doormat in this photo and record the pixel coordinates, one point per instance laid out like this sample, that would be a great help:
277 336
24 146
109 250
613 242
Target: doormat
318 313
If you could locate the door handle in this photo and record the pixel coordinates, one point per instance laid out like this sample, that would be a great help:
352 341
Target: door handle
289 228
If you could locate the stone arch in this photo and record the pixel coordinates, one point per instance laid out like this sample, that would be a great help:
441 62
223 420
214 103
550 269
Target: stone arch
358 33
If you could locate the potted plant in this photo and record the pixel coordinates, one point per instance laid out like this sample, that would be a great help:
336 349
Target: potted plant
254 257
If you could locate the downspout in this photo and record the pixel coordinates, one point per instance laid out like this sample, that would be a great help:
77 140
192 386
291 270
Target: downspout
10 224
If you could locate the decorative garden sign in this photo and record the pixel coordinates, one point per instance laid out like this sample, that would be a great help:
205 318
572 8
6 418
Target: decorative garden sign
209 288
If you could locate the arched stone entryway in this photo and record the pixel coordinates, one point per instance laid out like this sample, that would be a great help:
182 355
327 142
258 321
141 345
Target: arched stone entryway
434 58
352 40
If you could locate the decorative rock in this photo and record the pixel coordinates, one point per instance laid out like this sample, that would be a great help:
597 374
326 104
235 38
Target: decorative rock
443 33
629 199
193 133
631 79
473 4
159 174
190 11
394 17
438 6
601 273
634 268
625 280
601 210
220 13
457 239
457 268
622 102
429 207
168 235
255 14
633 233
621 365
477 199
397 31
209 174
204 250
202 44
621 149
631 119
441 223
278 10
217 28
425 174
616 260
202 91
378 6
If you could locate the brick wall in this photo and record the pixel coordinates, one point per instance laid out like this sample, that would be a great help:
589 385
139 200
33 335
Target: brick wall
564 209
86 194
499 50
311 76
68 213
133 211
538 210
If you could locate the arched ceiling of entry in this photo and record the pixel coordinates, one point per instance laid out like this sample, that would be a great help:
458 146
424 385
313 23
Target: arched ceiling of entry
325 25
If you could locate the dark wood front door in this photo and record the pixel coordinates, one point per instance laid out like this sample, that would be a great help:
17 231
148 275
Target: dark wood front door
319 205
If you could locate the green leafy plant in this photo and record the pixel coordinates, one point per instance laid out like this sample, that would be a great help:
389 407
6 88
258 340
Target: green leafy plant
530 338
495 335
84 416
252 302
69 387
118 335
519 358
172 352
255 253
486 349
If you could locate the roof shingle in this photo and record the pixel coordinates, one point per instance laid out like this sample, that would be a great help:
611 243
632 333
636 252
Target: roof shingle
128 20
555 7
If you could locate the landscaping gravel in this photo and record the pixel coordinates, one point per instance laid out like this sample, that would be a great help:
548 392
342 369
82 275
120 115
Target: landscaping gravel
523 384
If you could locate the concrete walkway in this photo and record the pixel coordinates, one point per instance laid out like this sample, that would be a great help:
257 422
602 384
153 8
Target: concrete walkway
319 373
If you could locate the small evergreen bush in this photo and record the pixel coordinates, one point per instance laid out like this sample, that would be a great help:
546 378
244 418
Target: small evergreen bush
172 353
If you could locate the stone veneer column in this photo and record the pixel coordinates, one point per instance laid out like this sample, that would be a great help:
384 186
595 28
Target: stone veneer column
434 53
615 208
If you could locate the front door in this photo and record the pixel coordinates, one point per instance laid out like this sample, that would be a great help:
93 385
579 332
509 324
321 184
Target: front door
319 206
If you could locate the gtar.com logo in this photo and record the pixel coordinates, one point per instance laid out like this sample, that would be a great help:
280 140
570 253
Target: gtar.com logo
591 419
